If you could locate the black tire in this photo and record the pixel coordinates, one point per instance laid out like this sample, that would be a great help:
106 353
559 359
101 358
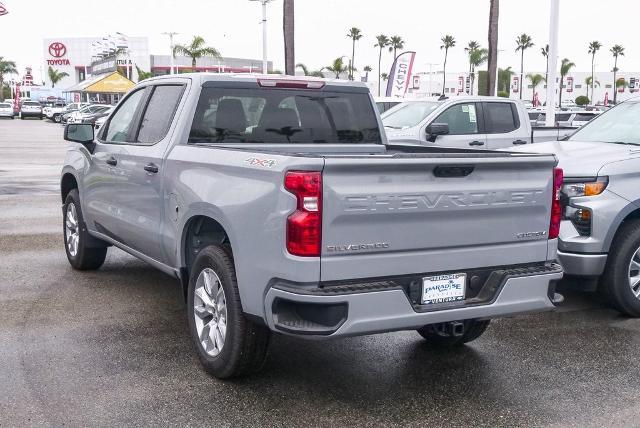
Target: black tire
21 117
614 283
56 118
436 337
91 252
245 345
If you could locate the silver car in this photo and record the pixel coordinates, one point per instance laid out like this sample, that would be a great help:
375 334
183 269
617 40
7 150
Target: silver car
6 110
31 109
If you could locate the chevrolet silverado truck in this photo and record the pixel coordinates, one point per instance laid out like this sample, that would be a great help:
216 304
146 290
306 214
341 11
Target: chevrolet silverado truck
280 207
600 232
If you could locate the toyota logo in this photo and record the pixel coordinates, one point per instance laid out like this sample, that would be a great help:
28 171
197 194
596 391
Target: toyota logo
57 50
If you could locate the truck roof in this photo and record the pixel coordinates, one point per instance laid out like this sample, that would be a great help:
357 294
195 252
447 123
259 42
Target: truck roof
253 78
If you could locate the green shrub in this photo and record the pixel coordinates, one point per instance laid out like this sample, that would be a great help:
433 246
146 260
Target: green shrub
582 100
503 94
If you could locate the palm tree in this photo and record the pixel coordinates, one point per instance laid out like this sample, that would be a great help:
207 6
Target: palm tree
545 53
367 69
617 51
143 75
447 43
196 49
593 48
337 67
354 34
383 42
395 43
504 79
307 72
535 80
523 42
384 76
588 82
565 68
288 17
55 76
494 12
477 57
471 46
620 83
6 67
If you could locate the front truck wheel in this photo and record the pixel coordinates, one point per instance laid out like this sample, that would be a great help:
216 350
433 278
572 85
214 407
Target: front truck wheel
228 344
455 333
84 252
621 279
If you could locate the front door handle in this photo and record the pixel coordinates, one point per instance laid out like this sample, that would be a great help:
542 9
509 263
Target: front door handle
151 167
476 143
519 142
112 161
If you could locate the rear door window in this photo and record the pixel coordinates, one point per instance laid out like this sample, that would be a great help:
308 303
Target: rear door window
500 118
159 113
283 116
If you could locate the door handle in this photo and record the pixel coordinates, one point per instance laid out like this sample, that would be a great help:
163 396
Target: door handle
476 143
112 161
519 142
151 167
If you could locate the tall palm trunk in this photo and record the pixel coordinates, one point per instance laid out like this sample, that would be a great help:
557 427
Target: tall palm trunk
494 11
444 70
521 70
561 85
546 74
593 67
193 64
379 69
288 30
353 59
615 80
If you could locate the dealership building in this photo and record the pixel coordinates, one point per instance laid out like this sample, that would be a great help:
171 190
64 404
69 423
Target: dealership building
73 55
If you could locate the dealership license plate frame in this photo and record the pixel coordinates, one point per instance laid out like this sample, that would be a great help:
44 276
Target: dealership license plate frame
445 288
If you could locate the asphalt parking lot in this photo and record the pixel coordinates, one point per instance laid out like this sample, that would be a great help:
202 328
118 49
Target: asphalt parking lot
111 347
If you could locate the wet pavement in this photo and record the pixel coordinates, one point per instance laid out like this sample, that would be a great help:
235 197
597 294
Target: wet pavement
111 347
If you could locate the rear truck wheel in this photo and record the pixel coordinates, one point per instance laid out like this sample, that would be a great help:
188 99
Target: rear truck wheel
621 278
228 344
455 333
56 118
84 252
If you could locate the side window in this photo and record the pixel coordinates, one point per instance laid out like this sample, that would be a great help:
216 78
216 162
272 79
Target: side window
500 118
122 119
159 113
461 118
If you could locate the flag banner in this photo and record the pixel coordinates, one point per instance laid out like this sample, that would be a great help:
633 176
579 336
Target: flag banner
3 9
400 76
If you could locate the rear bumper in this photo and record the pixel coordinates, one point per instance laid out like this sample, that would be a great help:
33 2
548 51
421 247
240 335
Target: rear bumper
352 311
582 264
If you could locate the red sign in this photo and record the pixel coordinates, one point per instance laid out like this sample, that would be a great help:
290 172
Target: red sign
57 50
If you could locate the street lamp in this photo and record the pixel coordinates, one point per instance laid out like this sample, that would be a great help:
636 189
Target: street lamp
550 118
264 34
171 46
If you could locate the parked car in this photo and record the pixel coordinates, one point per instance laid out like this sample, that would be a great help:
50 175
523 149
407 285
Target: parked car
54 111
97 114
70 108
386 103
285 210
463 122
31 109
100 121
600 231
85 112
6 110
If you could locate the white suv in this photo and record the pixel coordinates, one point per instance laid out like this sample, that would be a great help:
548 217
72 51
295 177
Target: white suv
31 109
6 110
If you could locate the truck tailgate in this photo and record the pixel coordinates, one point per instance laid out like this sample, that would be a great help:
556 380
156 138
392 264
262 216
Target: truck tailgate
387 216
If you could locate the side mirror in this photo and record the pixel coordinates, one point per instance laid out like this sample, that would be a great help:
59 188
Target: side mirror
435 129
79 133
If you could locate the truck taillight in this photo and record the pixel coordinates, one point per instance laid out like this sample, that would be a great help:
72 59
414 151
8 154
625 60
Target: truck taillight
304 226
556 207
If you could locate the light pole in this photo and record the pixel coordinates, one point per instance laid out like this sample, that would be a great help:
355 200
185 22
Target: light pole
171 34
264 34
550 116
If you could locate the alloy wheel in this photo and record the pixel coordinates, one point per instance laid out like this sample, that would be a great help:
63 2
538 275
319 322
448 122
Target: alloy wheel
210 312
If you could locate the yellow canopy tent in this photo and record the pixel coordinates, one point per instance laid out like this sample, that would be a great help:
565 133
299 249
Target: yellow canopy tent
109 88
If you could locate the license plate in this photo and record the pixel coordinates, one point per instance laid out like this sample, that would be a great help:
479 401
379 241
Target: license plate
443 288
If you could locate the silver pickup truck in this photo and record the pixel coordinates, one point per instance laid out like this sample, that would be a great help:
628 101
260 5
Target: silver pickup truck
280 206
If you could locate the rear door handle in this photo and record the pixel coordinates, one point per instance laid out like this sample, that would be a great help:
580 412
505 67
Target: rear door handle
112 161
151 167
519 142
476 143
